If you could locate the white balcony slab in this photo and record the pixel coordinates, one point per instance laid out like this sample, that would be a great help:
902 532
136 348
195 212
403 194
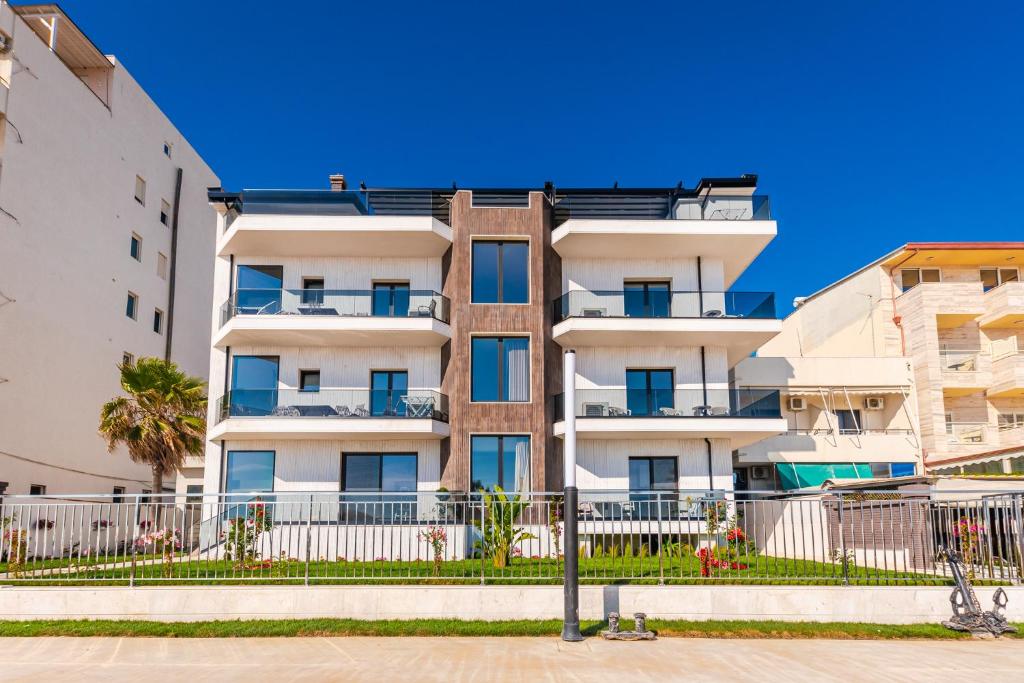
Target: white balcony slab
312 235
740 336
322 330
736 243
813 448
279 427
741 431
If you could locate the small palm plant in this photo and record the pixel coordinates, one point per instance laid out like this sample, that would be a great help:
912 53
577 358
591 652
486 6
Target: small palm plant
161 421
499 534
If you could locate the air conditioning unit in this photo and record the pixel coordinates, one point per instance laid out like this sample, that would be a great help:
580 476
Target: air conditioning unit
760 472
594 312
797 403
875 403
595 409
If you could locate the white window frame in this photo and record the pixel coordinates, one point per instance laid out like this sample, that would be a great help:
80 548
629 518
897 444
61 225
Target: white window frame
140 184
136 237
162 264
135 307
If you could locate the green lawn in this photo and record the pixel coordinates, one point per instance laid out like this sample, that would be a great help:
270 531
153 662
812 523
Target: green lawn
760 569
451 627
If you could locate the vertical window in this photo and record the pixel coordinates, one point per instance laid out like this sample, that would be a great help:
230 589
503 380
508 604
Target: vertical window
127 358
135 250
653 474
37 489
132 308
993 277
158 321
167 150
258 290
140 190
647 299
118 494
253 385
313 291
165 212
161 266
388 389
500 369
912 277
849 421
391 299
309 380
650 392
501 272
499 461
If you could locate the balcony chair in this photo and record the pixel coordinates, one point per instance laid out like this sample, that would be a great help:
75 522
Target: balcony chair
719 411
285 411
361 411
713 313
670 412
342 411
428 310
615 411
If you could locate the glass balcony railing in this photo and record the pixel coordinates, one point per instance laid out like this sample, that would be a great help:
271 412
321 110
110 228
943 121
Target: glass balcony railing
672 403
661 206
640 303
334 403
388 303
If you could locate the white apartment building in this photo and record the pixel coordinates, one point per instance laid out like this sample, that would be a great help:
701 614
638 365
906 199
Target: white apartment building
106 251
395 341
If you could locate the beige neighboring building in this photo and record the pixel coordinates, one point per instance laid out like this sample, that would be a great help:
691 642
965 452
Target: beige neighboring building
956 312
848 417
106 249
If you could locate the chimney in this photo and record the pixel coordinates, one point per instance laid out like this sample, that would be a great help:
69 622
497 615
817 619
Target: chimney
338 182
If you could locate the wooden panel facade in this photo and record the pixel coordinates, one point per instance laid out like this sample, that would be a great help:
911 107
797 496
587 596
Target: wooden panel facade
532 223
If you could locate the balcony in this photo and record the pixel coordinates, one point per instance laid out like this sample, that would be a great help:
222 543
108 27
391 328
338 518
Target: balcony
1007 377
336 223
740 321
828 445
960 434
1004 306
734 229
964 371
741 415
246 414
350 317
952 304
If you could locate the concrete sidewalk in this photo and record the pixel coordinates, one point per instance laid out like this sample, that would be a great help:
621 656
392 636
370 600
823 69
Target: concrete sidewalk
499 659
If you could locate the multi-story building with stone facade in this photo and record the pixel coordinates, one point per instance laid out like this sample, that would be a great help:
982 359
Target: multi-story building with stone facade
955 313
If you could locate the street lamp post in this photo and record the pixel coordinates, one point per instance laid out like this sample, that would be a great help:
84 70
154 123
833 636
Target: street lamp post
570 502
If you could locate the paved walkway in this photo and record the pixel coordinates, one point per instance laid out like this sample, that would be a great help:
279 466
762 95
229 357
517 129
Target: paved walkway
500 659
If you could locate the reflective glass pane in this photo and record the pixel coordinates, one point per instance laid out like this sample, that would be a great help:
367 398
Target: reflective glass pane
249 471
253 385
989 278
516 369
484 463
485 272
398 473
485 368
362 473
515 272
664 473
258 289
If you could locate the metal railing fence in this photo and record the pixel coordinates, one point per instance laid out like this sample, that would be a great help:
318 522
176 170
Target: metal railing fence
850 537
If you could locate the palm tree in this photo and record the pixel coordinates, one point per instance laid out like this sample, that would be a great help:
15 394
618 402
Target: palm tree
162 420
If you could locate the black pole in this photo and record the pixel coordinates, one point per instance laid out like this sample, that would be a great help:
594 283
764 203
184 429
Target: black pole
571 621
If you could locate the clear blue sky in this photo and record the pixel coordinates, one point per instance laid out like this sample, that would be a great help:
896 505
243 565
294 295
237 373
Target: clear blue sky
869 123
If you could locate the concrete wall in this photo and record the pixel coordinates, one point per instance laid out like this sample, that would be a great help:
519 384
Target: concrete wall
881 605
68 211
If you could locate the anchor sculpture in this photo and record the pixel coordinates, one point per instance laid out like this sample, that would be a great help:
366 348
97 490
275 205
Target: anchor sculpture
967 613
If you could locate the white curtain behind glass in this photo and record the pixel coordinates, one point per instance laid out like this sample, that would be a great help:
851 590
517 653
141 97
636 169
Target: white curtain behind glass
518 369
523 466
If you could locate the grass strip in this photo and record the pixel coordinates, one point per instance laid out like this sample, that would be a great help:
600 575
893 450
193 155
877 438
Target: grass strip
457 628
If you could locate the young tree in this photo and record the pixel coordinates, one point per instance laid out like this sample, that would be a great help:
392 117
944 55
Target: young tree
162 420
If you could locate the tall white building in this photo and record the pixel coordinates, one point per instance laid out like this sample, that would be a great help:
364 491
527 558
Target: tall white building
106 251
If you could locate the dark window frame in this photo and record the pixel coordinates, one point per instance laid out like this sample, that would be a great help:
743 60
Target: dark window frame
40 492
392 286
303 374
380 470
311 293
499 276
650 391
500 367
501 460
227 463
394 408
650 470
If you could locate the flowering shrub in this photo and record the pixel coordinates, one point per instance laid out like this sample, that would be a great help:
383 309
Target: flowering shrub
100 524
44 523
968 534
244 532
437 538
163 541
711 559
16 541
